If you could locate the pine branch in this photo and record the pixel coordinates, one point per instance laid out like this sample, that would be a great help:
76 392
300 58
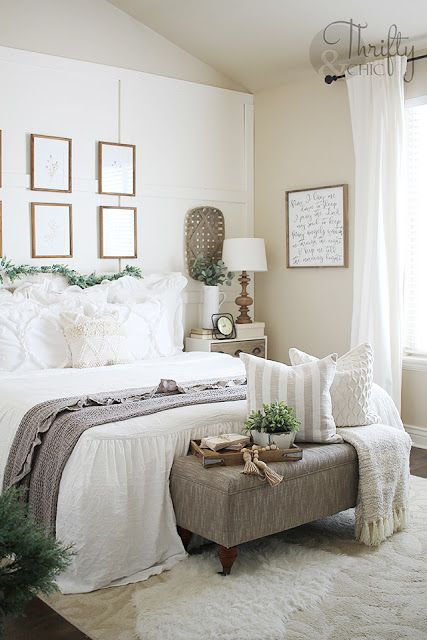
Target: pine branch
30 557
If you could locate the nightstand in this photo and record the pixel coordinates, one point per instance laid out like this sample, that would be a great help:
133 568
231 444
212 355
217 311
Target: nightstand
234 347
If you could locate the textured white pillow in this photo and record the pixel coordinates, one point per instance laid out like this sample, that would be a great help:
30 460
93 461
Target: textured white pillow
352 386
97 342
163 290
31 336
304 387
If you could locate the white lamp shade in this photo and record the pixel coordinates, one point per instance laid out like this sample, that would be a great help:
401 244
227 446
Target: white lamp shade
244 254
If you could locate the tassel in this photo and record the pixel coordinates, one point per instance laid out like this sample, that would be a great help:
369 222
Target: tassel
250 468
271 476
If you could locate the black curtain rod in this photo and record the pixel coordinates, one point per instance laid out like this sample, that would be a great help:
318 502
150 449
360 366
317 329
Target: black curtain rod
331 79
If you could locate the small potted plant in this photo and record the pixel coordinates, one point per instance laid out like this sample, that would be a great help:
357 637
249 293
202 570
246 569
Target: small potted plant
212 273
274 424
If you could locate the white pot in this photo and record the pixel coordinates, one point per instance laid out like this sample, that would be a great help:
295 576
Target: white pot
262 439
212 300
283 440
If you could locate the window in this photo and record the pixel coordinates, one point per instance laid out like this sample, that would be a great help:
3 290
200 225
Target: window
416 262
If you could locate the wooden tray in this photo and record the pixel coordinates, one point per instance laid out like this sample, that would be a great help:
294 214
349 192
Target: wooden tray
231 458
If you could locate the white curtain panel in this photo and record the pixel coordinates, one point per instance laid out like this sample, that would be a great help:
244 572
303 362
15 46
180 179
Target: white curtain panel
378 121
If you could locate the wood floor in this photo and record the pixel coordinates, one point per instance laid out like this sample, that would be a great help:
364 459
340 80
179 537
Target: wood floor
42 623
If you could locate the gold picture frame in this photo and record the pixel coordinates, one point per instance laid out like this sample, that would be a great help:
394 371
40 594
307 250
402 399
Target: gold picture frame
118 232
51 163
312 198
116 168
51 238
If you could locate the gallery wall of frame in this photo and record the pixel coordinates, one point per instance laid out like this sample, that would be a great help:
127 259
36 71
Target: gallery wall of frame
52 222
100 162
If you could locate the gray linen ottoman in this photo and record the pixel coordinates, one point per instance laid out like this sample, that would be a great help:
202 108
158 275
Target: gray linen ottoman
229 508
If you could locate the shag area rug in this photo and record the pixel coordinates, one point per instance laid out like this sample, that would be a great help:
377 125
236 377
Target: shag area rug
314 582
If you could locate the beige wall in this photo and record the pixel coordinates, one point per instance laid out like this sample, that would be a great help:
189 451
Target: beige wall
96 31
303 138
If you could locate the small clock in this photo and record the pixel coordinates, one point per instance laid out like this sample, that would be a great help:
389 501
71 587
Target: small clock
223 326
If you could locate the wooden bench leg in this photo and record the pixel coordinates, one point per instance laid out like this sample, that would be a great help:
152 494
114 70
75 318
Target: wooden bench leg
185 536
227 558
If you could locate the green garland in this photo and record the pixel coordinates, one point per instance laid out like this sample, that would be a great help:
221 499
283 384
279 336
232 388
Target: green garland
13 272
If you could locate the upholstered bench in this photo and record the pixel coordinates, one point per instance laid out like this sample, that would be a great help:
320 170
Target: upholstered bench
229 508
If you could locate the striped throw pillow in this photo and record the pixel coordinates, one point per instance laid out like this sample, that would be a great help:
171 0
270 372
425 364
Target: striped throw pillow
304 387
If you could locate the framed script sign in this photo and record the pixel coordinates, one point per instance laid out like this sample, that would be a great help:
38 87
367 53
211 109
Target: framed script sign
317 227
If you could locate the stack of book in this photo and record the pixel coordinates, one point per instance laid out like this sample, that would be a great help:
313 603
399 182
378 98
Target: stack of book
201 334
251 330
243 331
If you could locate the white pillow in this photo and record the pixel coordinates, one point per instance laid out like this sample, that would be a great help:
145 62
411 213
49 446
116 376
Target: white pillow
31 329
147 328
352 386
162 289
32 332
46 293
31 337
97 342
305 388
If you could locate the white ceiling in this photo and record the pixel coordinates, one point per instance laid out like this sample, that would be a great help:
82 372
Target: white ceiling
257 43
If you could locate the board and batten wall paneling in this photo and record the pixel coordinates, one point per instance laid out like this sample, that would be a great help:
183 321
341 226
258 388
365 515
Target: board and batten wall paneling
194 147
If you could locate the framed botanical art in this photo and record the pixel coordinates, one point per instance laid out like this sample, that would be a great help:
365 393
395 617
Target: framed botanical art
118 232
317 227
1 230
1 158
51 163
51 230
116 168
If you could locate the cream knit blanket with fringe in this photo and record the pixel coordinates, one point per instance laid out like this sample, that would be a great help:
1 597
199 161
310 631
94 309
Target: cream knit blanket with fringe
382 501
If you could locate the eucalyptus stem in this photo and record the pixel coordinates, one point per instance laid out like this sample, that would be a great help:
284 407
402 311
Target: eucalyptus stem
14 272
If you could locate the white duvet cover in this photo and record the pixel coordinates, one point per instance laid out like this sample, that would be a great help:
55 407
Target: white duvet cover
114 504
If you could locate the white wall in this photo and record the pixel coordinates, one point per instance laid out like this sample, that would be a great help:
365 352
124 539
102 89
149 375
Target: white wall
97 31
194 147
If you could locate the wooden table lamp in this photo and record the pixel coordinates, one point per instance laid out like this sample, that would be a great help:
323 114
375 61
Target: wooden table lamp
244 254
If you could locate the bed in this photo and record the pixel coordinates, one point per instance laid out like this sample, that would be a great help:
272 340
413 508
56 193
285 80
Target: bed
114 505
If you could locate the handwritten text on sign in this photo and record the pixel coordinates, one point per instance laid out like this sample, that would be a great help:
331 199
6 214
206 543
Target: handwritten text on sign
316 227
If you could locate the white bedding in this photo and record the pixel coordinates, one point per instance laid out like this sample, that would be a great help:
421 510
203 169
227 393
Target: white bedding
114 502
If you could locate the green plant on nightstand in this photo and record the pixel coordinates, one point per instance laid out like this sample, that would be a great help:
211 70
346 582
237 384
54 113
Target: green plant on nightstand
211 271
275 423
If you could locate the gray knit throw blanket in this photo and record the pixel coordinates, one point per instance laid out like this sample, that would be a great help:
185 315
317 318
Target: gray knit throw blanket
49 432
